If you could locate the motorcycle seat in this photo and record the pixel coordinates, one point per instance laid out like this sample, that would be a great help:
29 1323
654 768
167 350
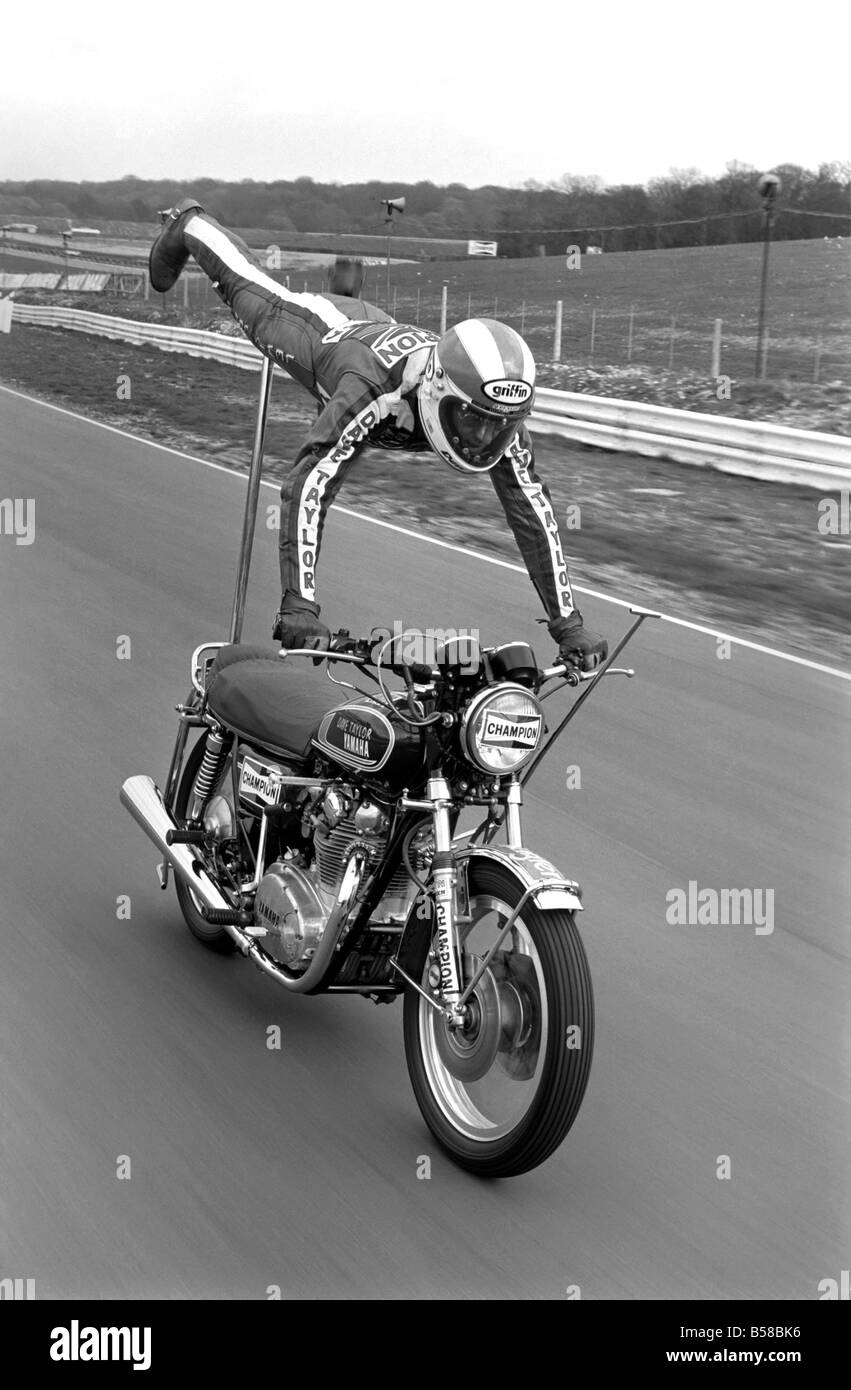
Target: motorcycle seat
266 700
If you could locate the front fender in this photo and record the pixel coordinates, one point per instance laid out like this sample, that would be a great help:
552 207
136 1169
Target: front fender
551 890
550 887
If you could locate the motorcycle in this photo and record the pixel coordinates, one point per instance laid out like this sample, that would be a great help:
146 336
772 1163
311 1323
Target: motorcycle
314 827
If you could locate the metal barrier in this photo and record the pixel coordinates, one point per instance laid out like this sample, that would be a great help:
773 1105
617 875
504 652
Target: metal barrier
749 447
753 448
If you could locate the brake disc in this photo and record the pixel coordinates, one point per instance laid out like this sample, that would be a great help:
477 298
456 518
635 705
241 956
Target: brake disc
468 1053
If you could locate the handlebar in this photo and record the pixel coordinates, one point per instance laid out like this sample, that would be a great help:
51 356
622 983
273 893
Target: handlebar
577 677
424 675
362 656
322 654
420 675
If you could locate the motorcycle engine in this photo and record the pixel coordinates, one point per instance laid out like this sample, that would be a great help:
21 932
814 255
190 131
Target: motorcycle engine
343 822
294 903
292 912
367 823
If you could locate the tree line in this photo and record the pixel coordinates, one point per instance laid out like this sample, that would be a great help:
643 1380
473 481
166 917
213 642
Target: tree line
681 208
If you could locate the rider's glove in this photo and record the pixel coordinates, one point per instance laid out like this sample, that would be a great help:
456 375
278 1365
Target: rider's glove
578 647
297 623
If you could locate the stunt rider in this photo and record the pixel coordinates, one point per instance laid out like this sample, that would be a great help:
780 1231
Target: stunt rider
466 396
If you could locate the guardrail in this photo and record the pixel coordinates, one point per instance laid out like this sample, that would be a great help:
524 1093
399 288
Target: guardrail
749 447
196 342
754 448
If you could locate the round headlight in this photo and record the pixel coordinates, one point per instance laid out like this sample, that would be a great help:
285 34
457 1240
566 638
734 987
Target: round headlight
502 728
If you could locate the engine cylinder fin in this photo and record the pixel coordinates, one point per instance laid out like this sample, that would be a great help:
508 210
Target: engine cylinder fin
332 848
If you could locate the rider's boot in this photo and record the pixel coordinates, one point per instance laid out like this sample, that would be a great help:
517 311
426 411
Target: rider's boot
168 254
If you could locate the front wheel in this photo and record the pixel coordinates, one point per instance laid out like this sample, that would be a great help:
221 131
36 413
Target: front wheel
500 1095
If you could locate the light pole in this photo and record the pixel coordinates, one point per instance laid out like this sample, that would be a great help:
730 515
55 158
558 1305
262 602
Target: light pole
769 186
392 205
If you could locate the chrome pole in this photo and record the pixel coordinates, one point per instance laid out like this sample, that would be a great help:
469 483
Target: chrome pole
249 519
640 615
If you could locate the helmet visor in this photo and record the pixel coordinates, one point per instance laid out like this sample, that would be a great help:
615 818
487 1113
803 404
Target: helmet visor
477 438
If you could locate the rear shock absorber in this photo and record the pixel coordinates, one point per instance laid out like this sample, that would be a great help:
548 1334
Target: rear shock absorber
217 749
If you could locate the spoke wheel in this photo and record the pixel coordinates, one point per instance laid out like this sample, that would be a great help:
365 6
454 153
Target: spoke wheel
501 1092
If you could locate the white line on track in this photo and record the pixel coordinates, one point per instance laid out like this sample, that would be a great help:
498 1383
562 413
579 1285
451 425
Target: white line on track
444 545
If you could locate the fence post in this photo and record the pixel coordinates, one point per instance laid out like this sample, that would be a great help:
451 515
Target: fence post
671 351
716 349
593 332
557 336
286 282
443 295
631 326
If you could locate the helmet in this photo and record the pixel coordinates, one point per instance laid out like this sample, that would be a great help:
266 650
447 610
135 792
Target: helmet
478 388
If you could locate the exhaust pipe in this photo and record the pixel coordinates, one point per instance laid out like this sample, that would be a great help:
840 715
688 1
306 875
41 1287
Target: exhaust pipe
144 801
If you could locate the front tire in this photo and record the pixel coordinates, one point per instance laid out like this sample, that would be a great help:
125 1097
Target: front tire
501 1097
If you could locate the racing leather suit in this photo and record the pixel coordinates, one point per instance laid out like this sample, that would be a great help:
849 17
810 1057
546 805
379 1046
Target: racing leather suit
364 369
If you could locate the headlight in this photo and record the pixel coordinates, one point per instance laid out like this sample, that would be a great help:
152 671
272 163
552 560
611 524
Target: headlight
502 728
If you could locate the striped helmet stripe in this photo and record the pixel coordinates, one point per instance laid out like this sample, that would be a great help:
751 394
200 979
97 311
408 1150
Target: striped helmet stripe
481 347
313 304
513 350
527 370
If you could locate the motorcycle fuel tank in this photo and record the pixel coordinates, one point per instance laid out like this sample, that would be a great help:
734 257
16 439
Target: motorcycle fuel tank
369 738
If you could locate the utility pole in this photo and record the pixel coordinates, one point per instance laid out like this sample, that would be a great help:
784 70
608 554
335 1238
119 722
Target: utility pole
769 186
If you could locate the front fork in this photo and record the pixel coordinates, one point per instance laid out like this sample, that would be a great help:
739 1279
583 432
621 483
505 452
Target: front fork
444 975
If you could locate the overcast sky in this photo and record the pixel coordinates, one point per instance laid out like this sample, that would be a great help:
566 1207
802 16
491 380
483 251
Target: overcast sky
448 90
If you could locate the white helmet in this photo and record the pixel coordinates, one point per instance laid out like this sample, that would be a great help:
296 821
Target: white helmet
478 388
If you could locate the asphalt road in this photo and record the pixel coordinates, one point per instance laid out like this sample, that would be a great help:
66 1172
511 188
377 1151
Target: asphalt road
298 1168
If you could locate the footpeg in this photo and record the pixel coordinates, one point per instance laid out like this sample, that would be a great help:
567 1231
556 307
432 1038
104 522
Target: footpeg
186 837
226 917
162 874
